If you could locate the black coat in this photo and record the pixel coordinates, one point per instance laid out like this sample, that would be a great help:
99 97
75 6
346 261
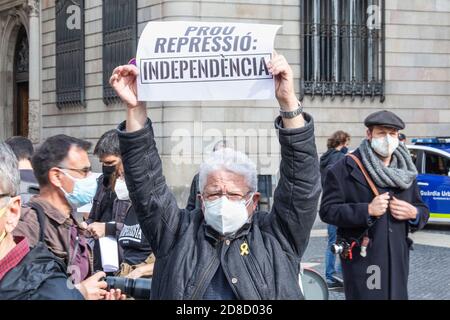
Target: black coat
327 160
193 201
345 200
188 253
39 276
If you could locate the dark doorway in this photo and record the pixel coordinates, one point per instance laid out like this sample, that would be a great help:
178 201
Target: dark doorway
21 78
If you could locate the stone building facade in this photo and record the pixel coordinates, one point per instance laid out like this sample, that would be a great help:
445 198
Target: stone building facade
416 79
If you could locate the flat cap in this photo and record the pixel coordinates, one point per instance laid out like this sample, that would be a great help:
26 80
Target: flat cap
384 118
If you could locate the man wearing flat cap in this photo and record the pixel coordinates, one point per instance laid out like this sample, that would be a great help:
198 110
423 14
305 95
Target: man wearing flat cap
374 221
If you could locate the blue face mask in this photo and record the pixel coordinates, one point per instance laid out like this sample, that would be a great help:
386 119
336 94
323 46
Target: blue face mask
344 150
83 190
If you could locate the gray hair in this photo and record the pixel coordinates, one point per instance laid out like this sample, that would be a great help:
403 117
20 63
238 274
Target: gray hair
229 160
221 144
9 171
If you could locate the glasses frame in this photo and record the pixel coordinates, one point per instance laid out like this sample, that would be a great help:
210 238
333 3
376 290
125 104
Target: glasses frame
219 195
84 172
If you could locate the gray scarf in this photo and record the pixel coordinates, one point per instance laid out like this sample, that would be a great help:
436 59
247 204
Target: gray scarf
399 174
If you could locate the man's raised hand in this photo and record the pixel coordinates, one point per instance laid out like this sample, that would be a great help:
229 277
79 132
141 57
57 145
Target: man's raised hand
284 82
284 89
124 81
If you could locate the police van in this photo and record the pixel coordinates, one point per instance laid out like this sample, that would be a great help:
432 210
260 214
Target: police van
432 159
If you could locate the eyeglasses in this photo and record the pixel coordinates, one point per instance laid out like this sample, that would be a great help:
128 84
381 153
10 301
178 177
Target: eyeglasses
230 196
84 171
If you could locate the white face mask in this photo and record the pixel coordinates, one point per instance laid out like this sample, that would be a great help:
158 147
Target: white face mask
121 190
385 146
225 216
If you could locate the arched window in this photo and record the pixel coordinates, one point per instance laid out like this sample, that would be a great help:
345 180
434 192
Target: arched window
21 77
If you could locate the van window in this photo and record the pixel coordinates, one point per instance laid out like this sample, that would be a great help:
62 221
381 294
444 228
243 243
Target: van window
416 156
437 164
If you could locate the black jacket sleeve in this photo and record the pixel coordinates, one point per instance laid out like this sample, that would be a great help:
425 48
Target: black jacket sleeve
56 288
334 209
155 205
297 194
192 201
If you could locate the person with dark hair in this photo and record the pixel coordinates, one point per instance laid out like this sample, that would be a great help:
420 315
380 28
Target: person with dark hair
23 149
373 198
33 273
194 200
113 215
337 149
402 138
63 170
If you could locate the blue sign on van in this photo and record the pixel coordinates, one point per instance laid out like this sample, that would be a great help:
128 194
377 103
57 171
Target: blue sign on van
435 191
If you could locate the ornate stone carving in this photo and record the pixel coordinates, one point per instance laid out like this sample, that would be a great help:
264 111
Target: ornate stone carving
14 16
32 8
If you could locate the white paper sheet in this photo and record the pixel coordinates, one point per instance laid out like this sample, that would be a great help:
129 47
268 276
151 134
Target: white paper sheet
183 60
110 254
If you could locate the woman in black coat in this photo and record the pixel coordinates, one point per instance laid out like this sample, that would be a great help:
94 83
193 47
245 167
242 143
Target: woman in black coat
347 201
337 146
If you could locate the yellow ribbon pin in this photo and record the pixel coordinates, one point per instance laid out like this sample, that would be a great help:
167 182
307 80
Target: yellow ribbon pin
244 249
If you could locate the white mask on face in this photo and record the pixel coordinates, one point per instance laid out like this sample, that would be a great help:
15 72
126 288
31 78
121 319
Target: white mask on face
385 146
121 190
225 216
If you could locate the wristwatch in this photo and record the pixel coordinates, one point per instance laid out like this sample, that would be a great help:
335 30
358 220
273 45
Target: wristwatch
292 114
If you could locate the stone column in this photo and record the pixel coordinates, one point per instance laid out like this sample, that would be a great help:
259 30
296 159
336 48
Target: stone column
34 102
11 23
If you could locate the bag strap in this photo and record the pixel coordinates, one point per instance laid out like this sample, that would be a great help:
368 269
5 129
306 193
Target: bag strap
41 219
366 175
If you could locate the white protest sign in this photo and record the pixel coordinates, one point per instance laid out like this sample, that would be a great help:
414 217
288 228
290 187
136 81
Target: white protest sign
183 60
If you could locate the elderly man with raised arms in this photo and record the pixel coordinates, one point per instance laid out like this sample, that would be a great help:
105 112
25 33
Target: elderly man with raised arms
225 249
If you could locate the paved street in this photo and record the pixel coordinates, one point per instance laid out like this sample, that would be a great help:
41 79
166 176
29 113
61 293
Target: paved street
429 261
